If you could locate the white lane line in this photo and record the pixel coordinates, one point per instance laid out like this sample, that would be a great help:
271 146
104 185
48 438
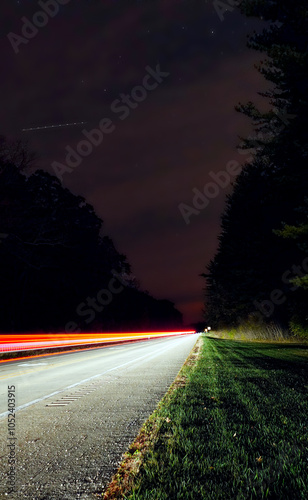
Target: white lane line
32 364
57 404
66 401
151 355
69 399
75 397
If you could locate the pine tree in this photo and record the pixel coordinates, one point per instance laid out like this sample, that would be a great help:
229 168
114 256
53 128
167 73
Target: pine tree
269 193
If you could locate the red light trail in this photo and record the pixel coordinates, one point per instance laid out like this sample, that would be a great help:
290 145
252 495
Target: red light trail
24 342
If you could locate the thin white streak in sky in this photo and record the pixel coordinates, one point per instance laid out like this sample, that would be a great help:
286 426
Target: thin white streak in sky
54 126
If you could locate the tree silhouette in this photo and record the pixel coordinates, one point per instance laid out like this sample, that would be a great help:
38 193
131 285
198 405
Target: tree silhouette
54 255
252 256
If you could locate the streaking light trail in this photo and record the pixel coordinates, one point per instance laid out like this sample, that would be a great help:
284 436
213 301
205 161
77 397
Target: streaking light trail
59 125
16 343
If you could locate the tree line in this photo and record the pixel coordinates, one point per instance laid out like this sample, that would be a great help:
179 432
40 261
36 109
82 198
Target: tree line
259 274
59 271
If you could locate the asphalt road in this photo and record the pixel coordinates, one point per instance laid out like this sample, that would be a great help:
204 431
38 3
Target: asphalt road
78 412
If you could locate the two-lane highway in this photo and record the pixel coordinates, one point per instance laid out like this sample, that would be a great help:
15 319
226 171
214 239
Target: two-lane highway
78 412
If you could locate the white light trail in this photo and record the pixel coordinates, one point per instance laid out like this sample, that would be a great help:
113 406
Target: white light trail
74 124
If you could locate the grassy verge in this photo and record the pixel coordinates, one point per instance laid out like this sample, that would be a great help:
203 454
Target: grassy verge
233 427
257 333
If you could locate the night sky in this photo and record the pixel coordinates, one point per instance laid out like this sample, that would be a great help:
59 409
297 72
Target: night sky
86 57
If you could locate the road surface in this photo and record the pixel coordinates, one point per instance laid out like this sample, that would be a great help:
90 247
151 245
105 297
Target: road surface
78 412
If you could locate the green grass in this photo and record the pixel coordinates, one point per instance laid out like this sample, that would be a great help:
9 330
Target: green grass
236 430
